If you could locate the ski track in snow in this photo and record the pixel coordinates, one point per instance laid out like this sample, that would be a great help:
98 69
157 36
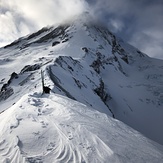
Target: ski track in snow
52 128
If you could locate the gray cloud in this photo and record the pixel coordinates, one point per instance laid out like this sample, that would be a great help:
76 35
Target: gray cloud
137 22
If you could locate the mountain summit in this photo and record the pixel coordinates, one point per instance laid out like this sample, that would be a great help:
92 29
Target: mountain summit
93 76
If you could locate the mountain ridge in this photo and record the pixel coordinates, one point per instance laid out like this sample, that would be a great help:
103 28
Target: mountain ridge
121 81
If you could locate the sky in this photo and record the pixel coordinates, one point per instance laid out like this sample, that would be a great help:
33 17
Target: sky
137 22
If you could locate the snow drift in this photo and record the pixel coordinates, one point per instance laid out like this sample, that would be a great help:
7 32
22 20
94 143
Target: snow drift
53 128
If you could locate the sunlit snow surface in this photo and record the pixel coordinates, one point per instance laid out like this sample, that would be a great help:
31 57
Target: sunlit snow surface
53 128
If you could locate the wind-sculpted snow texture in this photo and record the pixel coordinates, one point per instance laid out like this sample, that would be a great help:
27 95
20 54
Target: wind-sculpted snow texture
53 128
87 63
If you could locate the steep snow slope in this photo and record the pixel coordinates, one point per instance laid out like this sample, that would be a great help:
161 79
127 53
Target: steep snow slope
53 128
87 63
126 81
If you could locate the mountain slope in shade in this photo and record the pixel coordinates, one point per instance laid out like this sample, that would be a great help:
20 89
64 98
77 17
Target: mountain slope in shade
53 128
87 63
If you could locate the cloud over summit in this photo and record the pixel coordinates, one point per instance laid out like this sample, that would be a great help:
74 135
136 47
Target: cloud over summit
138 22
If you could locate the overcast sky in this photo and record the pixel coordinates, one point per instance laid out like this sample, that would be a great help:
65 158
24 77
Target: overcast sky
138 22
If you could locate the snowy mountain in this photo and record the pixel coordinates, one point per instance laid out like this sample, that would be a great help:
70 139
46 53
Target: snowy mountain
93 76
